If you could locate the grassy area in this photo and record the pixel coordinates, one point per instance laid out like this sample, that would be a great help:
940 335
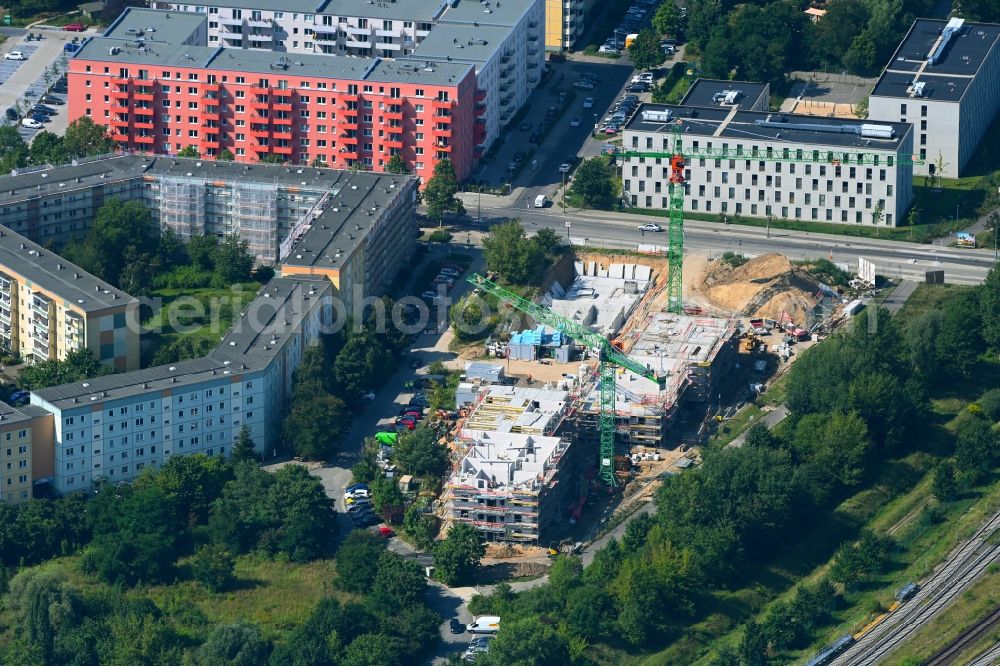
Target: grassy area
732 428
202 315
931 297
275 595
977 602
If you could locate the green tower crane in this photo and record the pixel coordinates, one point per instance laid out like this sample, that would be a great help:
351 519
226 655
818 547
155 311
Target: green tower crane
608 359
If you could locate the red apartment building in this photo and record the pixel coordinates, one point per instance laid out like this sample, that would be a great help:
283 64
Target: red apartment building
158 89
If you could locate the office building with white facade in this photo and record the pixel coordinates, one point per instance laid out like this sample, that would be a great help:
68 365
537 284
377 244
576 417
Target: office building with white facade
111 428
944 79
830 169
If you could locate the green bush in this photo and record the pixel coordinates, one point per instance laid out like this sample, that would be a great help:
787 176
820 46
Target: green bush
440 236
990 404
734 259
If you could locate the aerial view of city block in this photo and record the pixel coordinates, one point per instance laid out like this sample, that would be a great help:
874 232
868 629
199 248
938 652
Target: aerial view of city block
500 332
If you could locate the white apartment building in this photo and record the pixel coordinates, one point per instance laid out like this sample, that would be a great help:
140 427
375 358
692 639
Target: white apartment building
943 79
756 164
115 426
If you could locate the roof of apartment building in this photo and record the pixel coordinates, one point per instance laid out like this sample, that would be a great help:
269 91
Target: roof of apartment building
357 202
457 42
409 10
16 415
46 270
25 184
752 126
508 461
712 92
487 12
959 57
167 39
247 347
506 408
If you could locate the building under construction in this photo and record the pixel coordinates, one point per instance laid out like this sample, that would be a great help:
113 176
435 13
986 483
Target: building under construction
517 473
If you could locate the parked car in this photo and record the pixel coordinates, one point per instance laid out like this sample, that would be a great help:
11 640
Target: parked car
605 48
588 102
456 627
74 27
650 227
583 84
10 114
47 110
385 531
14 55
565 167
31 123
356 494
407 422
51 99
525 126
356 486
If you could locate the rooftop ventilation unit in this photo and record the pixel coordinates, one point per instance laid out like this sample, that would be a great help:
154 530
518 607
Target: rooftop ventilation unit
727 96
917 89
865 130
656 116
950 30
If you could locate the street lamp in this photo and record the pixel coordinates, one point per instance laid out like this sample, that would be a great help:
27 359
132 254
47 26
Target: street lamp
564 192
479 206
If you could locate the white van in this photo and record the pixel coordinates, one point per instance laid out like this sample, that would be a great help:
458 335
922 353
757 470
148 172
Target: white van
541 201
487 624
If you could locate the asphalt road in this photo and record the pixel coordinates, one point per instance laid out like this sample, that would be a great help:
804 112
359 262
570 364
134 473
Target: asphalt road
896 259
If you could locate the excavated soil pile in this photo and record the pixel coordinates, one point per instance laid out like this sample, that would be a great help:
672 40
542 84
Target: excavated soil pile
765 286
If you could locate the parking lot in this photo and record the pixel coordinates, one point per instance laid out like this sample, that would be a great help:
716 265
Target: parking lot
26 80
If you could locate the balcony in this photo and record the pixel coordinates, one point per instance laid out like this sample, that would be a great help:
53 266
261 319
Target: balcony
210 142
259 23
394 142
346 154
442 132
441 103
443 147
210 87
285 106
143 123
348 124
344 98
210 113
350 140
354 44
121 137
282 134
120 94
258 104
145 95
443 119
119 122
394 115
257 37
388 33
388 46
120 81
145 139
229 20
260 132
351 30
480 96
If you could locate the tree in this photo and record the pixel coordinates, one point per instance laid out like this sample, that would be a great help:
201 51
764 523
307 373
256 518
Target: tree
422 527
387 498
418 452
213 567
593 183
844 19
189 151
192 482
225 155
469 322
396 165
135 534
753 647
373 650
244 449
645 50
13 150
233 645
358 364
548 241
85 138
366 469
990 404
233 261
78 365
943 482
202 250
527 642
989 303
42 605
439 192
314 427
457 557
357 561
977 448
667 20
126 226
47 148
398 583
514 257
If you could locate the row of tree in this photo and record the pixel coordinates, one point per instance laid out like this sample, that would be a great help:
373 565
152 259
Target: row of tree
83 138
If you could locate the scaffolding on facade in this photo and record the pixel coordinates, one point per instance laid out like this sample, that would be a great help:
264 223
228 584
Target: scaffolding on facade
255 207
182 206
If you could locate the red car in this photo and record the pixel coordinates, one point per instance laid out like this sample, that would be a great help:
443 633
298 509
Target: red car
75 27
409 421
385 531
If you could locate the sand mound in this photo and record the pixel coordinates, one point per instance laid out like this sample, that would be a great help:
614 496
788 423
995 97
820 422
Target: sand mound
765 286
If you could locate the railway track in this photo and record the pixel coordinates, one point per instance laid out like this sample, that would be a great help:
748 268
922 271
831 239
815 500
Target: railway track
989 658
970 636
962 567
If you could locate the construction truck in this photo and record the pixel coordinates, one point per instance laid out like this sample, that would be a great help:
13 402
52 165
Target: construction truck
749 343
565 547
